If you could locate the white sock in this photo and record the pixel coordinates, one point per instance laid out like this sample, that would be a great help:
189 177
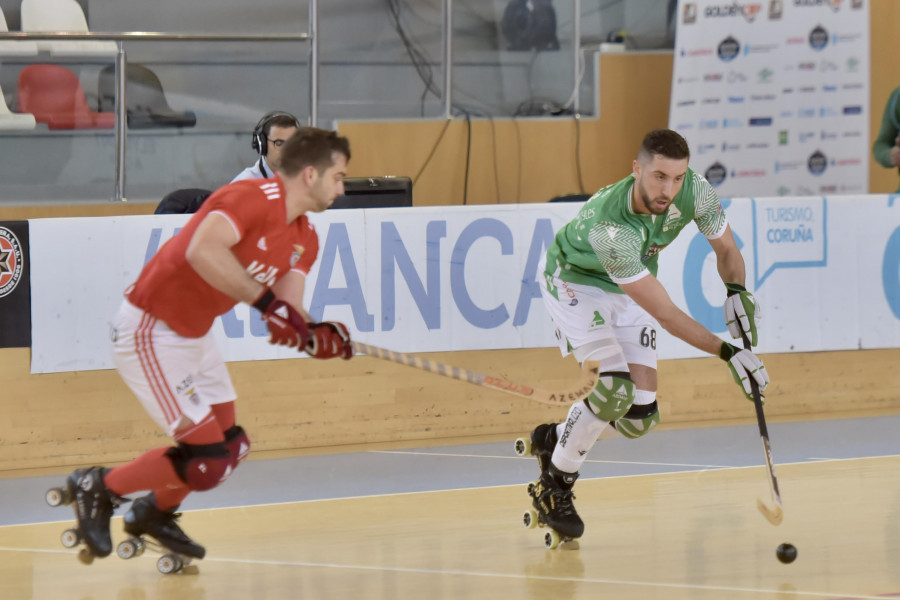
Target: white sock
576 438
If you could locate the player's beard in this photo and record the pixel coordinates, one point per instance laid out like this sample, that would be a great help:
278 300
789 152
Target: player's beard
323 198
648 203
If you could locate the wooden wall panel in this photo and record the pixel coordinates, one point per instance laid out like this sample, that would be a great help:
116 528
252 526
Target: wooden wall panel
91 417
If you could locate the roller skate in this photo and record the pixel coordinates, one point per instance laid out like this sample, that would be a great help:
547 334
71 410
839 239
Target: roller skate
94 505
540 443
150 527
552 507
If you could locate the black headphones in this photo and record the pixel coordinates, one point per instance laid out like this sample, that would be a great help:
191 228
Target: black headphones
260 141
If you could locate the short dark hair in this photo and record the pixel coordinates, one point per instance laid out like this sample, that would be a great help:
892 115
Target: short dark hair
279 119
312 146
666 143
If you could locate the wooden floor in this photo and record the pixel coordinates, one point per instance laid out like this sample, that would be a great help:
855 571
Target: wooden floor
694 535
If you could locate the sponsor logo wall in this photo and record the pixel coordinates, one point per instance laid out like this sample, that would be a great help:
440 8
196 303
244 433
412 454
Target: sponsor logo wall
826 271
772 95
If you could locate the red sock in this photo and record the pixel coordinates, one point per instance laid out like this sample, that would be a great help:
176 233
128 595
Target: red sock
150 471
169 498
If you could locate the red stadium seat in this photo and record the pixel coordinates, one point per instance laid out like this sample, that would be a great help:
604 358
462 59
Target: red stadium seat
54 96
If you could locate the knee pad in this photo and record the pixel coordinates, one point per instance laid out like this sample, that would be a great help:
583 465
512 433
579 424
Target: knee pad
237 443
640 418
612 396
201 467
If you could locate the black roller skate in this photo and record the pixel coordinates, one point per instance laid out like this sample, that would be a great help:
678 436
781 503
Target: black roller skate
540 443
94 505
552 507
145 519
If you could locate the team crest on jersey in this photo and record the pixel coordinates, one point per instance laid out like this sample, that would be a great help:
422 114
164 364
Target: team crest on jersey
297 254
10 261
673 218
652 251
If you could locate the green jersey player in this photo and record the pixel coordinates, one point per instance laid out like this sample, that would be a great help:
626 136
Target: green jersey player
607 305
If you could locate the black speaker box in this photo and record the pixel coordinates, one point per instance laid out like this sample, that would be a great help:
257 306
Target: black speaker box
375 192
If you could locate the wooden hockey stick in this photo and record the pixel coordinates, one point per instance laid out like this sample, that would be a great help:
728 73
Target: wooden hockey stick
773 514
561 397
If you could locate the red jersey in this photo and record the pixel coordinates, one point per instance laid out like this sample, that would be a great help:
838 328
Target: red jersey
268 247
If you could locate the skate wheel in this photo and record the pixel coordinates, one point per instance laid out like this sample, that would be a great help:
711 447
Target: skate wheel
127 549
56 497
551 539
168 564
70 538
523 446
530 519
85 556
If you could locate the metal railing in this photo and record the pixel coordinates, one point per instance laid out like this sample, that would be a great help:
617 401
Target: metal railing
313 64
149 36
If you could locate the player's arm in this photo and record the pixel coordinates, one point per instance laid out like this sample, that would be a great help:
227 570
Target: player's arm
650 295
741 307
291 288
729 260
209 254
328 339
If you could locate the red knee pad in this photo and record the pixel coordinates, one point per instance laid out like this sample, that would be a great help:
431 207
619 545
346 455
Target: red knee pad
238 444
201 467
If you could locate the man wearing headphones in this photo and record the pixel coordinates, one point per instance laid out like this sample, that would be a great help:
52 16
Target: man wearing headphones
269 136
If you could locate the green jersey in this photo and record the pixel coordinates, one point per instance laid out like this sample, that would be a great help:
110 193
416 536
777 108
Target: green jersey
608 243
888 132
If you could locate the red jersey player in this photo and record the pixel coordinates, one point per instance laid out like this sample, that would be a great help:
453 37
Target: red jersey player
250 242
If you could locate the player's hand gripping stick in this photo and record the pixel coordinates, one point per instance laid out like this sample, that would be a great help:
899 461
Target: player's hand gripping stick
287 327
741 312
329 339
746 368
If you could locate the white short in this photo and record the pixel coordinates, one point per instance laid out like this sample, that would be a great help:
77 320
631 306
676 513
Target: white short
594 324
176 378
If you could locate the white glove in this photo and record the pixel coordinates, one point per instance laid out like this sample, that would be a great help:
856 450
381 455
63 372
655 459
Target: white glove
741 312
744 365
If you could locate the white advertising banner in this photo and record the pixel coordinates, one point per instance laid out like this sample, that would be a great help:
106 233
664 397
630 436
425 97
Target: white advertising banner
826 272
773 95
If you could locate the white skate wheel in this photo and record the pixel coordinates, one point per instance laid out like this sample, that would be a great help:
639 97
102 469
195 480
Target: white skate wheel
127 549
70 538
523 446
530 518
55 497
551 539
168 564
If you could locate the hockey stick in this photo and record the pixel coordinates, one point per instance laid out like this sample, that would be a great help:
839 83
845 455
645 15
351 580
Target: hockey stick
560 397
776 514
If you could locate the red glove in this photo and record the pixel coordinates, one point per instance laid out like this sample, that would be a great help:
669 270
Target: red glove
286 326
329 339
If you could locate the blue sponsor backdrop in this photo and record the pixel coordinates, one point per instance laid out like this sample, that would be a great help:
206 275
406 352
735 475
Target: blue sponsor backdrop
825 270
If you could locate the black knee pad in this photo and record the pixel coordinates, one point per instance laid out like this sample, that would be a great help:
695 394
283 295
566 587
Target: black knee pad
639 420
237 442
201 467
